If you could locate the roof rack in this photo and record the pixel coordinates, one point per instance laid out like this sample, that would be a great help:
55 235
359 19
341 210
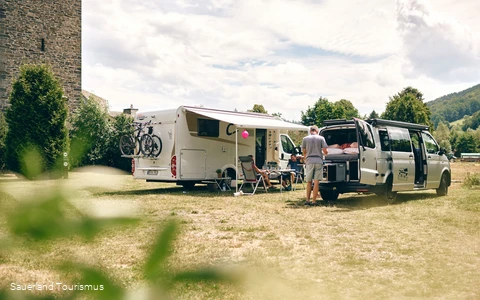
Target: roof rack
375 122
337 122
407 125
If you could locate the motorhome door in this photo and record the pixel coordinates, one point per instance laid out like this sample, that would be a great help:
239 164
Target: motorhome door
260 147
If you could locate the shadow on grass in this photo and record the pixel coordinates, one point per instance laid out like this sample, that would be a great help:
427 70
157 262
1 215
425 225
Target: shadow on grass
196 191
361 201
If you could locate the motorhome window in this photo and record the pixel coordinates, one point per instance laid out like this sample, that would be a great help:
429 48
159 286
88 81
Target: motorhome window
384 141
366 135
400 139
430 145
207 127
287 145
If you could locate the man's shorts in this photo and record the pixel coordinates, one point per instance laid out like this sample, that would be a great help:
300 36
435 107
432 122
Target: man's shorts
313 171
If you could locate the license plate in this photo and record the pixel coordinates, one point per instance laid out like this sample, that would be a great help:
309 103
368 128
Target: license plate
152 172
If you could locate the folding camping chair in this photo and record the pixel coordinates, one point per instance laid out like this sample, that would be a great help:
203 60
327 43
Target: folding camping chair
299 173
250 175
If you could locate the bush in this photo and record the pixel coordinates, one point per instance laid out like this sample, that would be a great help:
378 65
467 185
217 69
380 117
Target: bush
89 135
36 121
95 136
121 126
3 135
472 180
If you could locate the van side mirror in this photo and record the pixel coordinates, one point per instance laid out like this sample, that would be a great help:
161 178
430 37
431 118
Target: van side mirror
297 150
442 151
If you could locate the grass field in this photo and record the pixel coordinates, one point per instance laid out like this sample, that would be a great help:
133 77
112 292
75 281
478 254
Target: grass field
423 247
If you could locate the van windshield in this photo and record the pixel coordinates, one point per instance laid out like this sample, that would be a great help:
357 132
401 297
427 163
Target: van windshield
287 145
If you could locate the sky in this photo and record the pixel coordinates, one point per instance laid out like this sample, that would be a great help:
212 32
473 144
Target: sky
283 54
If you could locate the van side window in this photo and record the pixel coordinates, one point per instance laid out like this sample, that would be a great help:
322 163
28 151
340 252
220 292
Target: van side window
287 145
399 139
430 145
366 135
384 141
207 127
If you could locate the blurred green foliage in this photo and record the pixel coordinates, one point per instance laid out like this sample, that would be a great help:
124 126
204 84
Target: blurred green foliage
51 217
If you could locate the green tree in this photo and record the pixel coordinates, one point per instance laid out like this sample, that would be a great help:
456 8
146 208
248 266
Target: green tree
277 114
472 122
90 134
349 111
258 108
113 156
321 111
36 120
373 115
466 143
3 135
325 110
408 106
442 135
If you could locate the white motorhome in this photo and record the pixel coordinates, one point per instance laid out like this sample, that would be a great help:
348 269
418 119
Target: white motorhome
198 141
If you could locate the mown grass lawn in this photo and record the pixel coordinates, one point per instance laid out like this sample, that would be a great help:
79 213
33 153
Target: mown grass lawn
423 247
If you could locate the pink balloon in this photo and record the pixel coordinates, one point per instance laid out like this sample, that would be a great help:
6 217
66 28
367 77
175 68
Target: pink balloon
245 134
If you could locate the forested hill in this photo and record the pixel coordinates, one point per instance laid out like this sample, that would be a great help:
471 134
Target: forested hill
455 106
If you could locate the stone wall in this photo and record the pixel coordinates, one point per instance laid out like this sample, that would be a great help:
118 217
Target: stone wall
41 31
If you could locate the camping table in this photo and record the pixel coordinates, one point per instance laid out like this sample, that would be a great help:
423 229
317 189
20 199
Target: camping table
223 182
280 173
220 182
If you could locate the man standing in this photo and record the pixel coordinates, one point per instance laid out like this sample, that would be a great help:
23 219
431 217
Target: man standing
314 147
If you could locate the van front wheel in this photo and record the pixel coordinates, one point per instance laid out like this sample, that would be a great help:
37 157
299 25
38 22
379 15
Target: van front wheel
443 188
329 195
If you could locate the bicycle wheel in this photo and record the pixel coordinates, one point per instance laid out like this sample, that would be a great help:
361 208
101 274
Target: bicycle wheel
157 145
146 144
127 145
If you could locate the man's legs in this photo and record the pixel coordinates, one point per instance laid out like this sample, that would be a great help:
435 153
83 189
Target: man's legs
315 190
309 190
309 171
317 176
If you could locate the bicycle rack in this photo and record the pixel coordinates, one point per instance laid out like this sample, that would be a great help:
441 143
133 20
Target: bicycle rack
139 156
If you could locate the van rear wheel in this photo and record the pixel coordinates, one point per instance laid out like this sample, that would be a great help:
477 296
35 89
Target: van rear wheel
443 188
329 195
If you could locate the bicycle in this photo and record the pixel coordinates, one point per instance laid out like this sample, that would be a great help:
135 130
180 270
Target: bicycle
152 144
133 144
146 143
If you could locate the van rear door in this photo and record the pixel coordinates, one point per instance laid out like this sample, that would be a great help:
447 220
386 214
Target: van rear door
367 160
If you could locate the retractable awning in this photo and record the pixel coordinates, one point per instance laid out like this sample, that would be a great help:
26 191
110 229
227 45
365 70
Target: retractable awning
246 120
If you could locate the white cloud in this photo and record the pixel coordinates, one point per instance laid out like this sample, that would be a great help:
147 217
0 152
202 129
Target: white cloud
282 54
438 47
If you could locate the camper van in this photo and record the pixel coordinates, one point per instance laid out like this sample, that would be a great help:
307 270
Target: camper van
381 156
197 141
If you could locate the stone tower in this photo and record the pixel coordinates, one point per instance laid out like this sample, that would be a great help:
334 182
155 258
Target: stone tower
41 31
